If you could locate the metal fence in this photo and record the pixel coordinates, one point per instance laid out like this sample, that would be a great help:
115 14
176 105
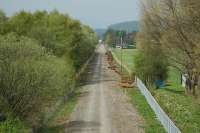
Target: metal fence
162 116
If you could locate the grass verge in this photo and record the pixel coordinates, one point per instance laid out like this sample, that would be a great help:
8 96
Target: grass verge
181 108
152 125
58 121
13 125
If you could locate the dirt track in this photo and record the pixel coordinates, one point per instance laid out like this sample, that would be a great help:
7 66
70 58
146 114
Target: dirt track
102 106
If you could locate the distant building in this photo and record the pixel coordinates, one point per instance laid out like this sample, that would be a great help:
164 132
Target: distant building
100 41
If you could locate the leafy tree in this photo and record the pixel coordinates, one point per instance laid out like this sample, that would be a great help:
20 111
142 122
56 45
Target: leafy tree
20 23
150 62
58 33
84 45
30 78
3 20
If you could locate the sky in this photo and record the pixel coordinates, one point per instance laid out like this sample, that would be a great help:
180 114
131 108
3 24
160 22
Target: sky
96 13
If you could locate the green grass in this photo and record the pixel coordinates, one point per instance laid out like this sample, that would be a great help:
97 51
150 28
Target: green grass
152 125
13 125
174 76
57 123
184 110
127 56
181 108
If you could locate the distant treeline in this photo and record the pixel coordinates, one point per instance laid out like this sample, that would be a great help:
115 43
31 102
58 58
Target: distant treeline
129 26
113 38
40 54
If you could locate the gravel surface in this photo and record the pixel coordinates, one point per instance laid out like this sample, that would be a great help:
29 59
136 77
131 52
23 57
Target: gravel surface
102 106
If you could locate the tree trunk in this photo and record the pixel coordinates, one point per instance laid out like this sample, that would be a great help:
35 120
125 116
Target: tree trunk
192 82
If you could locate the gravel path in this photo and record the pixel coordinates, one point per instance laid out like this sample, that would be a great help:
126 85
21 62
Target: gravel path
102 106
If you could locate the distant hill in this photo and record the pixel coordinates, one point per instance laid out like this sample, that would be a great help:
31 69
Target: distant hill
129 26
100 33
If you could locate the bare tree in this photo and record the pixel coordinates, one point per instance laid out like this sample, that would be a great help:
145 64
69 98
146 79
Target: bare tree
174 25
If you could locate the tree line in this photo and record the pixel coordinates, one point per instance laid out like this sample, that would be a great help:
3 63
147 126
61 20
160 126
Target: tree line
169 36
113 37
40 54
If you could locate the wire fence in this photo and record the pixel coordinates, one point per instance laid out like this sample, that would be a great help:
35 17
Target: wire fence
167 123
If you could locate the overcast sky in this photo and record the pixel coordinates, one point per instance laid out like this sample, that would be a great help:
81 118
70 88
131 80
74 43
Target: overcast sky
96 13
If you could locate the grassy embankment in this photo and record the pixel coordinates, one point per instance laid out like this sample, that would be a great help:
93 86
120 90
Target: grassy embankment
57 122
152 125
182 109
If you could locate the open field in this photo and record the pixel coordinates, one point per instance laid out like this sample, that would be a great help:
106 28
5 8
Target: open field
56 123
152 125
127 57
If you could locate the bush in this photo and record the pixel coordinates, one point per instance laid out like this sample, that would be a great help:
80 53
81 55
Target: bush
31 79
151 65
13 125
85 44
58 33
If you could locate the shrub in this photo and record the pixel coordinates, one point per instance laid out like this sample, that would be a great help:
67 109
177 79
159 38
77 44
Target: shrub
151 65
13 125
31 79
39 55
58 33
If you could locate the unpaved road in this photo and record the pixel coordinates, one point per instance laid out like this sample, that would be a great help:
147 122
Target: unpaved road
102 106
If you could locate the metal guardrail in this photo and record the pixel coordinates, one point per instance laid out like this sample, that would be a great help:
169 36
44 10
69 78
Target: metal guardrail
167 123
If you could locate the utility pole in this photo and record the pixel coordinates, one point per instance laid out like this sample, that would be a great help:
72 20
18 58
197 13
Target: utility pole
121 53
